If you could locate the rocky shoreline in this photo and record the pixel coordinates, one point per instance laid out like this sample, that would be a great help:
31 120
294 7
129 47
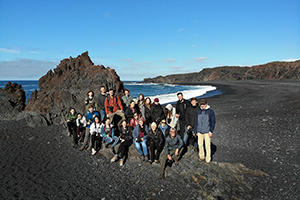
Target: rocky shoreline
257 126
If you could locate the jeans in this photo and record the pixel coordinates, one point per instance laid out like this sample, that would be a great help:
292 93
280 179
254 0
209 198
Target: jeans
109 140
139 149
102 114
186 137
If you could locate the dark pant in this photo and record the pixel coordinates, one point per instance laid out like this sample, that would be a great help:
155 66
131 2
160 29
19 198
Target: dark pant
82 131
153 146
72 131
124 147
96 142
182 128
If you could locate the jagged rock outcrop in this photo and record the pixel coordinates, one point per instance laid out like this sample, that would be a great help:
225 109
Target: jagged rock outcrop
9 107
16 92
273 70
68 85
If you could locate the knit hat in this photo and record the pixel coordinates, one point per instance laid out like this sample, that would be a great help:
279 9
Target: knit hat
156 100
169 107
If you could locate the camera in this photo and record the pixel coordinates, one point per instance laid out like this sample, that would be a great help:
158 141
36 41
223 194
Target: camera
111 108
170 162
190 132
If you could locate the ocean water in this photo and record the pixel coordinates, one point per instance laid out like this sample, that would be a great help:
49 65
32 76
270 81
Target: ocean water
166 93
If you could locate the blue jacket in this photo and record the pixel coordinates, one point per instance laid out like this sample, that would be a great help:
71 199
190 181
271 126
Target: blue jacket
173 143
89 117
103 131
136 132
205 121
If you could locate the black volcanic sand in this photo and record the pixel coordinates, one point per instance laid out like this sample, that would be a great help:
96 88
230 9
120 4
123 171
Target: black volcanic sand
257 125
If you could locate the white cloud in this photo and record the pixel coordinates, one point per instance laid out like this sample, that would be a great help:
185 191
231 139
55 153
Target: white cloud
200 59
13 50
142 63
181 29
25 68
290 60
193 45
34 52
177 67
127 60
169 60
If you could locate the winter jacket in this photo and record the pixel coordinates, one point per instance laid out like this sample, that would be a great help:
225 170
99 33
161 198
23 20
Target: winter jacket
129 113
96 129
81 122
148 115
181 108
173 143
126 134
157 138
165 130
172 121
112 101
190 115
205 121
104 133
157 113
90 118
101 101
136 132
91 102
127 100
72 118
133 123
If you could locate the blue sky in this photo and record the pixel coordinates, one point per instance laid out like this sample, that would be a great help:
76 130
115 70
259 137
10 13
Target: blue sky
141 39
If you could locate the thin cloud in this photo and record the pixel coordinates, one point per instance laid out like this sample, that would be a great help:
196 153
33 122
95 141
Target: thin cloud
142 63
200 59
193 45
169 60
127 60
34 52
177 67
14 50
181 29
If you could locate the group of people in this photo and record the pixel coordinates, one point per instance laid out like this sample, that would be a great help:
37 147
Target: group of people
149 126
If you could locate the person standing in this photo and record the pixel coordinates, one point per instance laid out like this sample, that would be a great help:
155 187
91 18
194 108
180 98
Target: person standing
101 101
204 126
157 111
127 98
90 100
90 118
181 106
173 147
190 123
113 106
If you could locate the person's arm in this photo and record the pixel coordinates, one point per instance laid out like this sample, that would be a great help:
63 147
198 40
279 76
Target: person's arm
119 103
77 122
106 105
84 121
103 132
196 123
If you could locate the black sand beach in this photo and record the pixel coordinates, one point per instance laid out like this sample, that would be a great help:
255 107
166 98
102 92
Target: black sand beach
257 125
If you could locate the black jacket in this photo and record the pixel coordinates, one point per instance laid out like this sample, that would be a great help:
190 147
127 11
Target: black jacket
158 137
126 134
157 112
181 108
190 115
148 115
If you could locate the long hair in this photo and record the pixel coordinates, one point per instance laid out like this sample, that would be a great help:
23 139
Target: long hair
87 94
168 114
148 105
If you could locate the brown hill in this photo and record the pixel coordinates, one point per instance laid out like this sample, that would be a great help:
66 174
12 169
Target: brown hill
273 70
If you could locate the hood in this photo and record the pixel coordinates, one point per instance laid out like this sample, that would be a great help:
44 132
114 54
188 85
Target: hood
169 107
207 107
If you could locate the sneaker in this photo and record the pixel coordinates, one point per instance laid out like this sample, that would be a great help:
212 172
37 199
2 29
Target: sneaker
81 148
89 148
156 161
207 163
200 159
121 162
161 176
150 161
93 151
114 159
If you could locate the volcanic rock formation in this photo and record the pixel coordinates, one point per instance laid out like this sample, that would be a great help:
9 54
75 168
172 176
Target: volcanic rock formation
273 70
16 92
68 85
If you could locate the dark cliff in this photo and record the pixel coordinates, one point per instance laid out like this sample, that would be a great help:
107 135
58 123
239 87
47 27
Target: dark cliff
68 85
273 70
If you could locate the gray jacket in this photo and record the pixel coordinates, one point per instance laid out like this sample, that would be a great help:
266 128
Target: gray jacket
173 143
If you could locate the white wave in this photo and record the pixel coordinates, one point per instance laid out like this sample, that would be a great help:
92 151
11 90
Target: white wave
187 94
135 83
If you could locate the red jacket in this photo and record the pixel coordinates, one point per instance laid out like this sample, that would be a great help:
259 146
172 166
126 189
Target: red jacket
112 101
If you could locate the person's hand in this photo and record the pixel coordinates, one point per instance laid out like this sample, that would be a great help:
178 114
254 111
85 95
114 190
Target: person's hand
176 152
68 120
177 115
210 134
142 139
188 127
107 116
122 140
107 135
169 157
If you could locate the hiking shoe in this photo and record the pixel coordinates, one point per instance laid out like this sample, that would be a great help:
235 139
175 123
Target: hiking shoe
150 161
93 151
156 161
161 176
207 163
200 159
142 157
81 148
121 162
89 148
114 159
